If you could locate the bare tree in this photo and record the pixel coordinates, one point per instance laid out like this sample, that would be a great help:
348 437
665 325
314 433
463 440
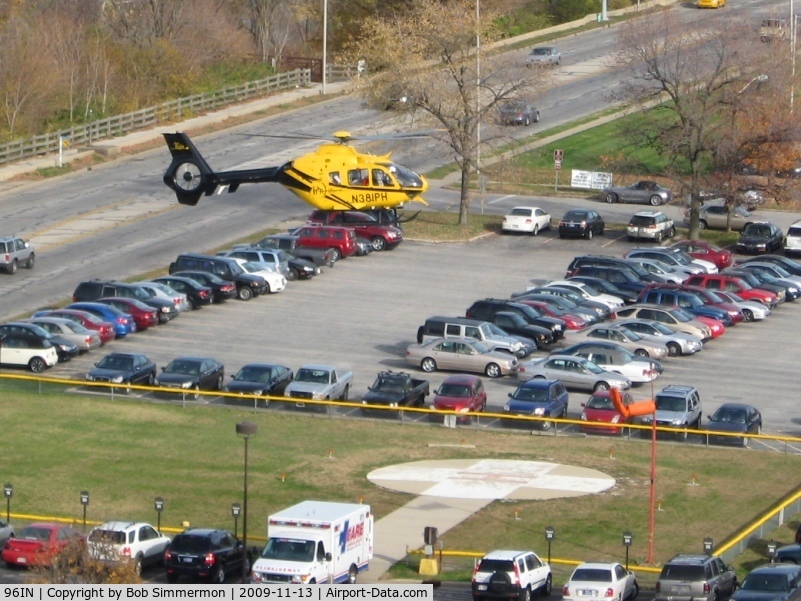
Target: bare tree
698 71
75 565
426 55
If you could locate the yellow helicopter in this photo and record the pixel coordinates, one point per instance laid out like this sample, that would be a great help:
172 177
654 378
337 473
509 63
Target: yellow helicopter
333 177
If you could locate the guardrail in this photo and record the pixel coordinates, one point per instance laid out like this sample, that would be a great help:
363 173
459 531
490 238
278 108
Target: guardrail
172 110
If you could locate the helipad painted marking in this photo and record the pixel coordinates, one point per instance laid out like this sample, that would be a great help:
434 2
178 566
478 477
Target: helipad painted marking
491 479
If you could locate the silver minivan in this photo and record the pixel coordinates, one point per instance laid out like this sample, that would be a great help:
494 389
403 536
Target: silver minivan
462 327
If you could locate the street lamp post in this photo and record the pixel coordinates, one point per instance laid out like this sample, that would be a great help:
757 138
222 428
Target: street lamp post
245 430
9 492
627 537
159 505
236 509
84 502
550 533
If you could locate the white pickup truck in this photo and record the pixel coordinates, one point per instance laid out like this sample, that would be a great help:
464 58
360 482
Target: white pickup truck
319 382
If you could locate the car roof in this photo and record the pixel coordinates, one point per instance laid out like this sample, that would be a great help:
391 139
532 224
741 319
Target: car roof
504 554
120 526
648 213
461 379
689 558
597 565
200 531
541 382
785 568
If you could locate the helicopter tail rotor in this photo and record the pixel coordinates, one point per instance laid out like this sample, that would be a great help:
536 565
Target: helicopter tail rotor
189 175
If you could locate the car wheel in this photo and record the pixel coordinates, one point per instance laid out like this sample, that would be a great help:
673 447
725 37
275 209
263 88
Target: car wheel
546 424
748 315
527 122
196 392
37 365
702 224
12 268
537 117
219 383
674 349
218 575
611 197
345 393
493 370
353 574
245 293
600 386
292 274
127 389
658 237
671 232
536 229
150 380
655 200
641 352
545 591
172 578
31 260
378 243
138 566
525 594
588 235
428 365
335 254
635 590
601 231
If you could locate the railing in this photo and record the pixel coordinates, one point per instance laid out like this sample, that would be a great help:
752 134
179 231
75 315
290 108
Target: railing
172 110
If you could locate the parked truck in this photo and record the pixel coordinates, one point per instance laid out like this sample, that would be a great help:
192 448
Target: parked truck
319 382
316 542
396 389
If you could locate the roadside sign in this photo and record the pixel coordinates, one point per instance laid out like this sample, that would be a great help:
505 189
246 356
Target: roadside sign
557 165
558 155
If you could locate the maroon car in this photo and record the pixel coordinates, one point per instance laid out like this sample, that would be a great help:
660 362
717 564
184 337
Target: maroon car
38 543
381 236
340 240
144 316
460 393
86 319
706 251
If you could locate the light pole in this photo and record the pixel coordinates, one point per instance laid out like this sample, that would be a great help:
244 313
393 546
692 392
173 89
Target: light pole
84 502
9 492
236 509
550 533
245 430
159 505
627 537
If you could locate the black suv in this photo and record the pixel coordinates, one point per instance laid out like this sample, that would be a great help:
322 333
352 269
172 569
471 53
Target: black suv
639 271
95 289
486 309
205 553
247 284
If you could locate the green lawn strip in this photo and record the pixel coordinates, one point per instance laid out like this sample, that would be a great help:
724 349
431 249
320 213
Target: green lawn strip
126 452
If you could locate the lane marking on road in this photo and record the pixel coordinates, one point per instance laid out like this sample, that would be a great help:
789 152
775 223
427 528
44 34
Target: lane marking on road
501 199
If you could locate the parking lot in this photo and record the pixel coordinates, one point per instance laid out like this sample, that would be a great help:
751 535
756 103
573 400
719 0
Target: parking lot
361 315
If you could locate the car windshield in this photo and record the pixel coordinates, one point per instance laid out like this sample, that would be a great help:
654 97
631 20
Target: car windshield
189 544
576 216
681 314
729 415
591 575
109 537
288 549
496 331
757 230
670 403
682 258
682 572
189 368
34 533
252 373
662 328
390 385
765 582
520 212
540 51
496 565
455 390
600 402
592 368
529 393
116 363
781 271
314 376
633 336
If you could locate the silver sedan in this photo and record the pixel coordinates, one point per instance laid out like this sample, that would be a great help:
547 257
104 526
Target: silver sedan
677 343
574 372
84 339
625 338
456 354
752 310
642 192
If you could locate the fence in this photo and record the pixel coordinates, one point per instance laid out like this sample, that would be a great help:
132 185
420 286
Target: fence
172 110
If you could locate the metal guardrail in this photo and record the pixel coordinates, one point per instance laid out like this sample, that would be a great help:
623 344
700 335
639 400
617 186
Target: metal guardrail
172 110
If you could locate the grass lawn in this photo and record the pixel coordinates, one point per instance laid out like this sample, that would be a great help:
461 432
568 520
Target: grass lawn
127 452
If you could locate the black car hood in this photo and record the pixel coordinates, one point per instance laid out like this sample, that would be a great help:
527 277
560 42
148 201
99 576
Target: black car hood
99 372
751 240
246 386
165 378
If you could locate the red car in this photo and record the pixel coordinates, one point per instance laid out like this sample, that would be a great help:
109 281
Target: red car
715 325
35 545
600 409
706 251
460 393
572 322
86 319
340 240
144 316
731 283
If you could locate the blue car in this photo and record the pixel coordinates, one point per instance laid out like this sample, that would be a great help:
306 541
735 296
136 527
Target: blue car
538 398
123 322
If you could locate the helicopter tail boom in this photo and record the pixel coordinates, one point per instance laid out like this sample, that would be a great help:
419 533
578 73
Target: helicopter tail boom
190 176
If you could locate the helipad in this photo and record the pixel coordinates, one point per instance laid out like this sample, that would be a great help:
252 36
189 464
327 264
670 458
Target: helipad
491 479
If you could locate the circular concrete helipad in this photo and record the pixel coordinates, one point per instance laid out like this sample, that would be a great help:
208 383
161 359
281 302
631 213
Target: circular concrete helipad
491 479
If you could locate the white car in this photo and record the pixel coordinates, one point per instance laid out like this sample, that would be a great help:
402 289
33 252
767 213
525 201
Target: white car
275 281
511 575
677 343
163 291
135 541
588 293
601 582
531 220
34 353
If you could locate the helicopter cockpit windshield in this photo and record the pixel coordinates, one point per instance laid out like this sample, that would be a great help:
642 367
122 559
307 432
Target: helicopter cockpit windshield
405 176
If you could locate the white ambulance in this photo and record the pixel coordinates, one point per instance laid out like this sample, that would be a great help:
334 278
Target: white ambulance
315 542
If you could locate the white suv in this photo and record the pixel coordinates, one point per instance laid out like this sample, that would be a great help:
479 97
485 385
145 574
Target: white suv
654 225
136 541
510 575
792 244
